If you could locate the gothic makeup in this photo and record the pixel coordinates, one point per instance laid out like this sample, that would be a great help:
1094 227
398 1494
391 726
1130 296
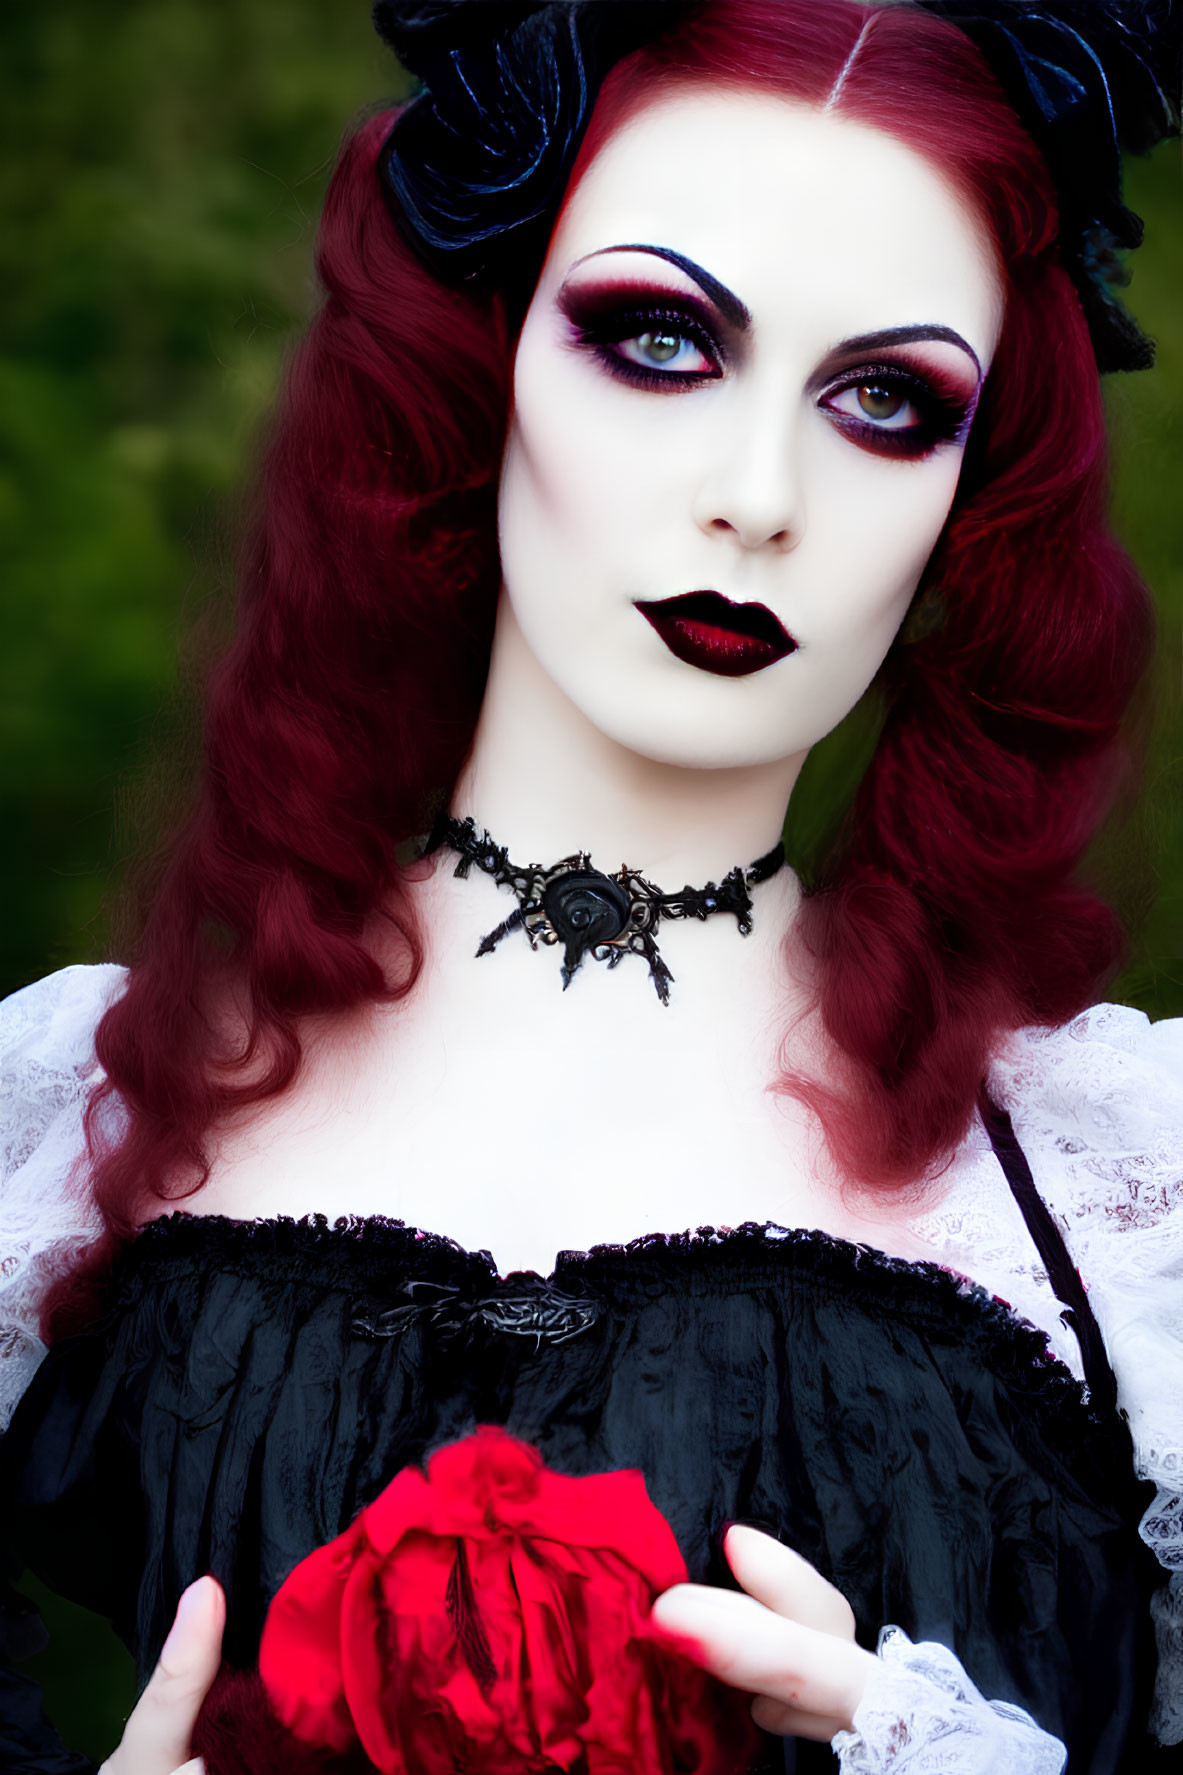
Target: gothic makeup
741 393
893 402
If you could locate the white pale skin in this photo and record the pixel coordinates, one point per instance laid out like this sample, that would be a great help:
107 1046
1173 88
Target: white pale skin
826 230
491 1106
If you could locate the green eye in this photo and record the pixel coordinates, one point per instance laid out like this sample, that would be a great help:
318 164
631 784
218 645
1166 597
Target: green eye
660 348
650 348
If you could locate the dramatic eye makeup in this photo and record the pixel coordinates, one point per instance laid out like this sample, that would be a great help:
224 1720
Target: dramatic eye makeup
649 336
896 408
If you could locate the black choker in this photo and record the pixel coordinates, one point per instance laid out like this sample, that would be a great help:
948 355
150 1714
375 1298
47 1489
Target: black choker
605 916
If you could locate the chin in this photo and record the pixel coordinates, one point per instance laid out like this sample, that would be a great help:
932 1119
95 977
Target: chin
693 741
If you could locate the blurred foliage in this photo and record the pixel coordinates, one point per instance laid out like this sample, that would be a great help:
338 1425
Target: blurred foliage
1146 426
163 165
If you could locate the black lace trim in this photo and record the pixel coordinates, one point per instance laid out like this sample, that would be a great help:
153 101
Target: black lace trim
356 1251
285 1247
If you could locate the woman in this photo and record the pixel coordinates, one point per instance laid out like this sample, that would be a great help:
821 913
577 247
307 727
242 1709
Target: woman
764 413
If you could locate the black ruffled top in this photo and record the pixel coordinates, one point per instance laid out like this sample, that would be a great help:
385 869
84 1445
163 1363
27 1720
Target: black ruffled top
251 1386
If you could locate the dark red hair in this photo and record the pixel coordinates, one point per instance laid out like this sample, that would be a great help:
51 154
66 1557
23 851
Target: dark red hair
946 911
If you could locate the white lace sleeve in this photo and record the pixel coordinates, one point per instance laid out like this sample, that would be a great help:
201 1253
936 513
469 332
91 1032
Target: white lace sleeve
47 1067
1098 1110
921 1715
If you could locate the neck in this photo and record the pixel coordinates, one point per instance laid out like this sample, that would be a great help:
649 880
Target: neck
545 783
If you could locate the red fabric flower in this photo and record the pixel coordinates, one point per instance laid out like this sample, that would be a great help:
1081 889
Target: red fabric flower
492 1615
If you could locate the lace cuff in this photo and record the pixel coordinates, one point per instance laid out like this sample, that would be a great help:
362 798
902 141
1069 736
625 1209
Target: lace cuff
921 1715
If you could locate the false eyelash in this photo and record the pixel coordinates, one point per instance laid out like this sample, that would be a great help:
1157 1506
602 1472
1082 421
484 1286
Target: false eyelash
944 417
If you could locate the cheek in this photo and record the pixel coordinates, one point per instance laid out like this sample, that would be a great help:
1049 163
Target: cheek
868 550
548 548
562 478
879 536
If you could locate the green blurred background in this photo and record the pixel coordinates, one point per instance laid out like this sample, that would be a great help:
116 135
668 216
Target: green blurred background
163 163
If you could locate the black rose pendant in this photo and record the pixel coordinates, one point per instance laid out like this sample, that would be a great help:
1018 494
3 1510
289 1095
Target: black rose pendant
590 913
585 909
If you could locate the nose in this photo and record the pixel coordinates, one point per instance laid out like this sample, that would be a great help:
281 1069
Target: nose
753 490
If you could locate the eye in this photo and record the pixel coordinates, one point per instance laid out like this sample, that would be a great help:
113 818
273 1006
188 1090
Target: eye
668 344
664 348
874 401
892 411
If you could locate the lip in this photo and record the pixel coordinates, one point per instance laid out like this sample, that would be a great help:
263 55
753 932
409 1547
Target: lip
707 630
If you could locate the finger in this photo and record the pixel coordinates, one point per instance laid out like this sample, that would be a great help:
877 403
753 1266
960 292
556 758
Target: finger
750 1647
156 1739
785 1582
790 1722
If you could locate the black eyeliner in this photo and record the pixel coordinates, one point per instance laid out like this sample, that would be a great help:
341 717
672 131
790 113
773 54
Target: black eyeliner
944 415
604 316
601 318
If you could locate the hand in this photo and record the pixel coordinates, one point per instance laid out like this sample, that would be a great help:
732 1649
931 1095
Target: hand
156 1739
789 1641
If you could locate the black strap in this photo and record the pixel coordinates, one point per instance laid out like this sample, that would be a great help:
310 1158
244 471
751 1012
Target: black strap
1062 1273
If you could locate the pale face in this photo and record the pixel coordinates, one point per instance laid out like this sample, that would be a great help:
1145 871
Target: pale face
768 404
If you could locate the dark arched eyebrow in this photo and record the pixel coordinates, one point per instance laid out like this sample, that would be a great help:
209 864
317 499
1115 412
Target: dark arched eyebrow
904 336
740 316
725 300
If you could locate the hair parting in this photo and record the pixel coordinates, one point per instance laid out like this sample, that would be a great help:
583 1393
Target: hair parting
835 92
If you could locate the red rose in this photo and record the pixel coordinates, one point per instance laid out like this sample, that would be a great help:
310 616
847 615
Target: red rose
493 1616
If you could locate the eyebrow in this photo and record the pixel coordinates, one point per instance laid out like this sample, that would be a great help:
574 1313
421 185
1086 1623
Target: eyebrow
725 300
740 316
904 335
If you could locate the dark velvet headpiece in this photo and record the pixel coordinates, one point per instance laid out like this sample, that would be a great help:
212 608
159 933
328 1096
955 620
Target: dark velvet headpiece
1090 79
478 162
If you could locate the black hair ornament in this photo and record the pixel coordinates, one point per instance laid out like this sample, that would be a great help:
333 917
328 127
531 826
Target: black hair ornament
1090 79
477 163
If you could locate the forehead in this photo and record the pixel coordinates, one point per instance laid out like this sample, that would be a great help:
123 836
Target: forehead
784 202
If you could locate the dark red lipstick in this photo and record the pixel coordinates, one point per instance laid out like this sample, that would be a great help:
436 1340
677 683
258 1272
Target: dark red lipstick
707 630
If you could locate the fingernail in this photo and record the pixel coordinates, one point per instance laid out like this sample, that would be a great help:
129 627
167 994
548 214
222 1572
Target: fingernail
187 1609
757 1522
192 1599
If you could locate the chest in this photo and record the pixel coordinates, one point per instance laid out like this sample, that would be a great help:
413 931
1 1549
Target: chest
515 1130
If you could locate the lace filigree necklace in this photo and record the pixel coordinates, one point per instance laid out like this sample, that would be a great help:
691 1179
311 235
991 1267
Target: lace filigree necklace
590 913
